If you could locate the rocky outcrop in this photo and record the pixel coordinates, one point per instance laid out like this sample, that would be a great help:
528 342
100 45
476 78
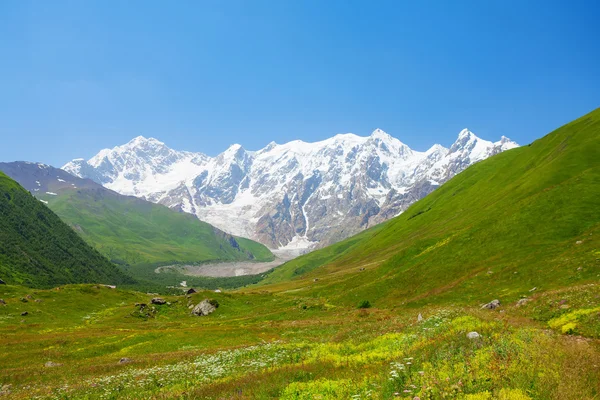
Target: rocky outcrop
492 305
205 307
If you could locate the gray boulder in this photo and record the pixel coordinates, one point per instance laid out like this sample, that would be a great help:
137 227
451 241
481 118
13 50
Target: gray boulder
492 305
205 307
522 302
51 364
158 300
473 335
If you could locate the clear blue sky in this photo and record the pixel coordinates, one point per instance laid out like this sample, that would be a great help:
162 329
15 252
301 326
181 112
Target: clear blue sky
78 76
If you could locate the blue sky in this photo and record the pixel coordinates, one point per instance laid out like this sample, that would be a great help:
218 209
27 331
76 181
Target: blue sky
78 76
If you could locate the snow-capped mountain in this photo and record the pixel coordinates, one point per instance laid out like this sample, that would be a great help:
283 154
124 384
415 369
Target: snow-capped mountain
293 195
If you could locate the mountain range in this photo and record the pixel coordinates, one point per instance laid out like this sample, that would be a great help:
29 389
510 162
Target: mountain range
294 196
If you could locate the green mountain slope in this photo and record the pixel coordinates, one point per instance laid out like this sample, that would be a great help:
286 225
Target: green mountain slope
38 249
129 230
134 231
527 218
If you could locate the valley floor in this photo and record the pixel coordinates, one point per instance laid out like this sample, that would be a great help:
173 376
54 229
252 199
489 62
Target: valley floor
87 341
224 269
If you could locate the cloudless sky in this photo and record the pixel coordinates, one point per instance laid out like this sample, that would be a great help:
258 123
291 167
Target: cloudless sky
78 76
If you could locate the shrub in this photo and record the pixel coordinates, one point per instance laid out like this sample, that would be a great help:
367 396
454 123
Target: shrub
364 304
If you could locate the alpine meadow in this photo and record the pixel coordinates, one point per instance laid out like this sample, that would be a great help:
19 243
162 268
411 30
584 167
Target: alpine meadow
280 200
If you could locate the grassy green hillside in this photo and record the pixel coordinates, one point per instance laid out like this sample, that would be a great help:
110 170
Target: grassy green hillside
132 231
38 249
529 217
129 230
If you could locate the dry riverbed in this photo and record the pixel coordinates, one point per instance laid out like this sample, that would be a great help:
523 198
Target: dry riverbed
229 269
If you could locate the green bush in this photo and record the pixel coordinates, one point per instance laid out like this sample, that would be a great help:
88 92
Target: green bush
364 304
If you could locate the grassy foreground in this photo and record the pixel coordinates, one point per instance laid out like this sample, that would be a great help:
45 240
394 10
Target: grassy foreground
263 345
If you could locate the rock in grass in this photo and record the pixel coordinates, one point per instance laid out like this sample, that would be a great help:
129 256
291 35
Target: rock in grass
158 300
205 307
522 302
492 305
24 313
125 360
51 364
2 282
473 335
2 301
419 318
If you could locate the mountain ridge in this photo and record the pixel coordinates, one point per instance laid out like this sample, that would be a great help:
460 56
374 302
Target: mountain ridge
292 195
127 229
38 249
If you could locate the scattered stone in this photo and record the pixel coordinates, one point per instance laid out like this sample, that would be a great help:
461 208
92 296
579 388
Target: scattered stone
2 282
579 269
492 305
152 294
534 289
362 269
473 335
191 291
205 307
125 360
24 313
5 390
29 297
141 305
51 364
191 306
316 280
579 242
420 318
110 286
24 300
490 272
38 300
158 300
218 291
2 301
522 302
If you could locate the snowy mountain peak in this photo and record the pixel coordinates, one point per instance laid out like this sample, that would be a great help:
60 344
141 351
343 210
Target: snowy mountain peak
141 140
287 194
466 134
380 134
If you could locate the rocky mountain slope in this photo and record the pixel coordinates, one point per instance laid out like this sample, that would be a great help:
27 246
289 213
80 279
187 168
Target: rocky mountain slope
129 230
294 195
38 249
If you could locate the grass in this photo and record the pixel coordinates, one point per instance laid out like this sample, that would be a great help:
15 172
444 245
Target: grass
131 231
263 345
